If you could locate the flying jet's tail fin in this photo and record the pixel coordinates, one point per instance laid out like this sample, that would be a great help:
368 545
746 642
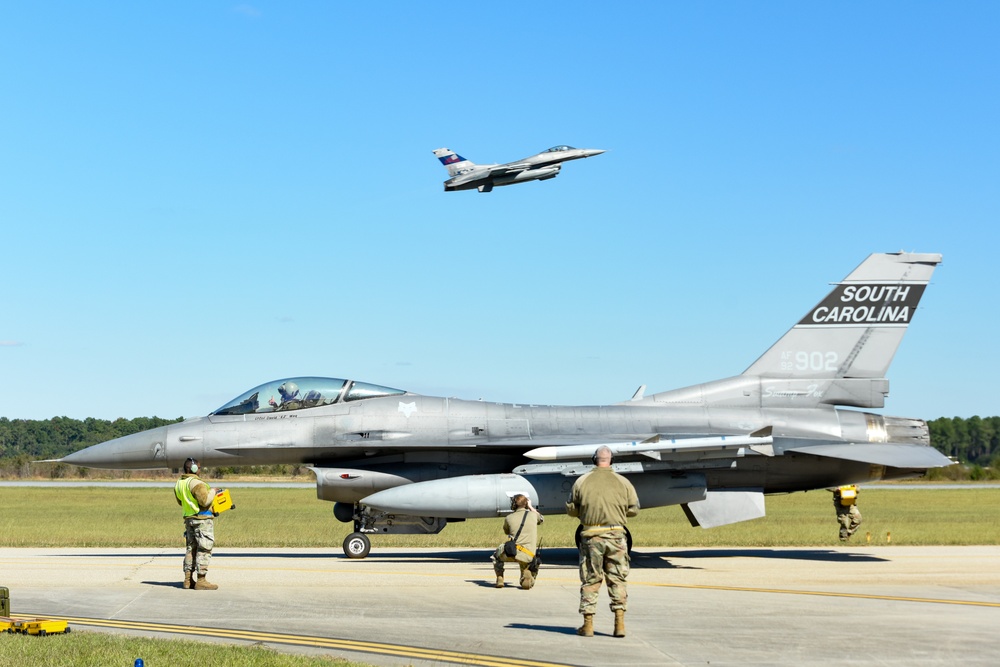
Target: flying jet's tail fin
853 332
452 161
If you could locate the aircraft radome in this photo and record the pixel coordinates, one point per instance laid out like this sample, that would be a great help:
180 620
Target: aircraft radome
397 462
466 175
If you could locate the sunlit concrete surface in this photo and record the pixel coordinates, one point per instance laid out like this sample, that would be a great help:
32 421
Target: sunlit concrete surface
882 605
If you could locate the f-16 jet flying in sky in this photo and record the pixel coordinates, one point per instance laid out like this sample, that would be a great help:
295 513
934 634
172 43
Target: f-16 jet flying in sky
466 175
394 461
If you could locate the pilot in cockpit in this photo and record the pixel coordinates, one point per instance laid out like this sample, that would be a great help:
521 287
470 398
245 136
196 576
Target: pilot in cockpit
289 392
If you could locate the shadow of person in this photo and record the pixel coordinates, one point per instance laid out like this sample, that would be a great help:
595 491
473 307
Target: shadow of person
165 584
554 629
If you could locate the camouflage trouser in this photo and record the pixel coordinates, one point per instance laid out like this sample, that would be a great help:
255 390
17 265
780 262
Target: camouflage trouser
199 535
527 573
849 518
603 557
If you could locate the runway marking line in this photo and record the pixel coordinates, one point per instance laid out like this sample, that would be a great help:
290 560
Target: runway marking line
412 652
788 591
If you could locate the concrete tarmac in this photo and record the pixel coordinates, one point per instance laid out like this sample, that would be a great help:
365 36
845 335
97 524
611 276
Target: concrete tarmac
886 605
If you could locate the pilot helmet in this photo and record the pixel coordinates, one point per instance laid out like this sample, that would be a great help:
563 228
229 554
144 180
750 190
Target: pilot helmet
288 390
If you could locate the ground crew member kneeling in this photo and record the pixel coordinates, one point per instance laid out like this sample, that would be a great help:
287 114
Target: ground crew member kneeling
602 499
195 497
845 501
521 527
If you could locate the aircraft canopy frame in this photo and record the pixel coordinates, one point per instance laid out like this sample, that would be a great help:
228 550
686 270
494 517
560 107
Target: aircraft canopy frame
300 393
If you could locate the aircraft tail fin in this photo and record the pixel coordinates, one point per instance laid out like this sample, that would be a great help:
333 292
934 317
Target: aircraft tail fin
855 330
838 354
453 162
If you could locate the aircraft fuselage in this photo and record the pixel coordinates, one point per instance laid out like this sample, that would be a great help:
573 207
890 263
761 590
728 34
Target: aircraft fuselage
417 438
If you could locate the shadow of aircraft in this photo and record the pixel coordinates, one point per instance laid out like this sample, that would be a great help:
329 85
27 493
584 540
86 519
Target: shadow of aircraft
651 558
642 557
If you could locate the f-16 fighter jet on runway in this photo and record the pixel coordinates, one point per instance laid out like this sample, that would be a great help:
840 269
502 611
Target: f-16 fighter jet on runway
466 175
397 462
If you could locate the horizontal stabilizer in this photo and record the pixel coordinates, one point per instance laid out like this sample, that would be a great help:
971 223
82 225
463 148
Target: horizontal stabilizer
890 454
720 508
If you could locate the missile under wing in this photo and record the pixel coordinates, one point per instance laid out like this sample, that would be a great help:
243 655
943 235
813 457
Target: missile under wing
467 175
394 461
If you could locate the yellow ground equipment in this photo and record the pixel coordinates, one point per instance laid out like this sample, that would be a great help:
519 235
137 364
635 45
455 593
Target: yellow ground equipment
41 627
848 495
6 624
222 502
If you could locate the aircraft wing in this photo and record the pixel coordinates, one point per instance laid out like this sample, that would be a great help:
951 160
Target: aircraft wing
896 455
509 168
654 453
655 447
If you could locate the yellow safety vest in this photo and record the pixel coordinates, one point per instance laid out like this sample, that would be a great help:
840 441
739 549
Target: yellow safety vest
182 489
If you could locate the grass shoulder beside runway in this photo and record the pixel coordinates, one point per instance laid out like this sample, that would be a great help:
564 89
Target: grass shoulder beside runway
281 517
97 649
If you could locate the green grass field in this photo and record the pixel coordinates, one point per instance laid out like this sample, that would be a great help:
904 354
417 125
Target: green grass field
144 517
96 649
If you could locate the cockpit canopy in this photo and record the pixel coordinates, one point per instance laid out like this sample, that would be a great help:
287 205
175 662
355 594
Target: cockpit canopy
301 393
559 149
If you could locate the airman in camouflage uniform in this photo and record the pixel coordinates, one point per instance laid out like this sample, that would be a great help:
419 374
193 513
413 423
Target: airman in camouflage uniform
845 500
289 392
195 497
602 499
527 541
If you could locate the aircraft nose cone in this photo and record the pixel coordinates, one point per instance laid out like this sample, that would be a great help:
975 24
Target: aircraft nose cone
591 152
136 451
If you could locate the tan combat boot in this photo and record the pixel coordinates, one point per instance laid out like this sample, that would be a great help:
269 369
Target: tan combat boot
187 580
527 581
203 584
499 583
619 623
587 629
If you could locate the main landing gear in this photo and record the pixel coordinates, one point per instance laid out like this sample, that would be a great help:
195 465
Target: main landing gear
357 545
368 520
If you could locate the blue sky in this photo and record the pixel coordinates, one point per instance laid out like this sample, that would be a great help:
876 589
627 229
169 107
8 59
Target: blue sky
198 197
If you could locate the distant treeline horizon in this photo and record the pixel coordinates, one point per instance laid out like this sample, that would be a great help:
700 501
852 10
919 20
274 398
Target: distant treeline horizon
972 441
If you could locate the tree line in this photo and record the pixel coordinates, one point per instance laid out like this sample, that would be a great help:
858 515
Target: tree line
973 441
25 440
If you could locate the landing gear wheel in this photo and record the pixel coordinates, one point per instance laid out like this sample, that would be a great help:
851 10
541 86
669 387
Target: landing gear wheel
357 545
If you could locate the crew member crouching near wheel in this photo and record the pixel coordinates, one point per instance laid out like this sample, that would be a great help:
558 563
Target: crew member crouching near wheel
521 528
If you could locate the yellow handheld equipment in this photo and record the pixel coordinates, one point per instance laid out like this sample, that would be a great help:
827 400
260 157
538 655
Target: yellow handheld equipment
222 502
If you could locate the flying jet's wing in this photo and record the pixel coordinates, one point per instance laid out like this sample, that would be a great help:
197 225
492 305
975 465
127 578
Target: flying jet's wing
509 168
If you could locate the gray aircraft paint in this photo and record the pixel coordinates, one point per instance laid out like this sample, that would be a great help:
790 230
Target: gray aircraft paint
467 175
395 461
